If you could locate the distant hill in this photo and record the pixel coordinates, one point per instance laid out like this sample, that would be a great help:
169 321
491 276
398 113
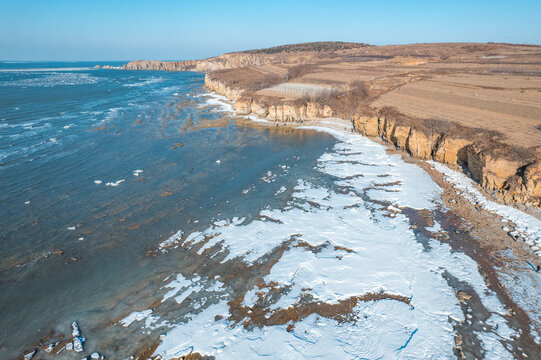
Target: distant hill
319 46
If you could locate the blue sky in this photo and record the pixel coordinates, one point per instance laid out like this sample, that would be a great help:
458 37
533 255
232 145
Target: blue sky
167 29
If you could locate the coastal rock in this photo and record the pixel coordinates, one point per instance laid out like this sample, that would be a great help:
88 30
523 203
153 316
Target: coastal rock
312 110
451 150
387 129
220 88
243 106
532 179
400 136
259 109
327 111
226 61
366 125
420 144
490 172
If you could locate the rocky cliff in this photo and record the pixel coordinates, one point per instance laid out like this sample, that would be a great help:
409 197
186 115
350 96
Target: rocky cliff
226 61
511 174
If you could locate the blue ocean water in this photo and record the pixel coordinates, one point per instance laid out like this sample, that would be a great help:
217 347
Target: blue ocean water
79 220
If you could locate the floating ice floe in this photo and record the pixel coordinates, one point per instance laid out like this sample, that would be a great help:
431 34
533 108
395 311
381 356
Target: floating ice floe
78 344
135 316
75 329
97 182
171 242
29 355
116 183
218 161
269 177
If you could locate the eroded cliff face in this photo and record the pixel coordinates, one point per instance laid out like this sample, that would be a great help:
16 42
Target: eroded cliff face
282 112
226 61
511 179
220 88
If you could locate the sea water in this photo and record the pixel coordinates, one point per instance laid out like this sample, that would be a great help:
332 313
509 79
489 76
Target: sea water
137 205
103 165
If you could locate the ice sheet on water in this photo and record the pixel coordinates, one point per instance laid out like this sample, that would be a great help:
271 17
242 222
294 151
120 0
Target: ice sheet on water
54 79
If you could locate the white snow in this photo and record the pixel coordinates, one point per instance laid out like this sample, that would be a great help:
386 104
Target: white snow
135 316
171 242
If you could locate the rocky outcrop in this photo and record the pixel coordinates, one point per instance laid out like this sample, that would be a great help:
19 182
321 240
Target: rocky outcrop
220 88
282 112
513 179
366 125
420 144
452 150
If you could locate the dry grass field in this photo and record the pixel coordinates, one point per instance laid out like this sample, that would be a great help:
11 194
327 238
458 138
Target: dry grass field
490 86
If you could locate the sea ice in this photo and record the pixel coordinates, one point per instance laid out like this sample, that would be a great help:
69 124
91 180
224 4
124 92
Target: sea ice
135 316
339 246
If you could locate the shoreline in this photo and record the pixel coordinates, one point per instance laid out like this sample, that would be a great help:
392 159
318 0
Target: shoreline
491 168
505 256
488 224
336 127
421 223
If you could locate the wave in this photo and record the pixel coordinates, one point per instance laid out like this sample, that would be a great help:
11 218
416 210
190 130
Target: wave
220 102
152 80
